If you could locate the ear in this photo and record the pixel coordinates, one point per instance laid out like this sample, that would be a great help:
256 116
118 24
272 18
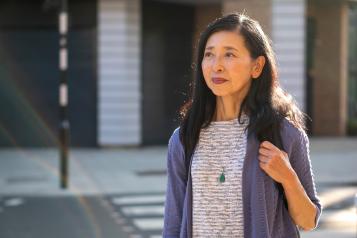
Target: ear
258 66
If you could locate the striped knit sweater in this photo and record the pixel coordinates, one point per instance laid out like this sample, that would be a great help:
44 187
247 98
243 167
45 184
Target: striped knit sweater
217 204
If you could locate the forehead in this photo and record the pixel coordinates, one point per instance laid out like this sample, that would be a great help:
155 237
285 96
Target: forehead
225 39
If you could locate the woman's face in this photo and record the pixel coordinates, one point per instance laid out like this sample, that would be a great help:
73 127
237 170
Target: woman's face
227 65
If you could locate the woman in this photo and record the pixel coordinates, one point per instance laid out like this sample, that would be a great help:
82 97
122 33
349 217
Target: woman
238 165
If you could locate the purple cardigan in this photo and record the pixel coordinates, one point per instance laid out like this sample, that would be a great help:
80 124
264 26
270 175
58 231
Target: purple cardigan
265 215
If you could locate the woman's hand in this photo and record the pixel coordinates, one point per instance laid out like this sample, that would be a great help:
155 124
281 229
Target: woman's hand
275 163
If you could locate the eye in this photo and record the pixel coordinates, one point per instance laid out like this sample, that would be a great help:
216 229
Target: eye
208 54
230 54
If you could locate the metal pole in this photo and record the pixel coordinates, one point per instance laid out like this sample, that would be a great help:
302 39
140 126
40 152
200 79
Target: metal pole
63 94
356 211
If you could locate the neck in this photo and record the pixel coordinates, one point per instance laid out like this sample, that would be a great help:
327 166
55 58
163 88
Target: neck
227 107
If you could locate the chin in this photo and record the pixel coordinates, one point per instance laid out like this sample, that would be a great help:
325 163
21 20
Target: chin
220 93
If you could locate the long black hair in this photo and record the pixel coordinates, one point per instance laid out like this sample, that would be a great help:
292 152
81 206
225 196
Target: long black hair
266 103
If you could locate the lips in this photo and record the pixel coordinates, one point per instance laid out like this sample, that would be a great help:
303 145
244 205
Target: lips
219 80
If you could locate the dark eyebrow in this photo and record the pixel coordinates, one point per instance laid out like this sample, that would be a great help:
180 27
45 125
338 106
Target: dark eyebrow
226 47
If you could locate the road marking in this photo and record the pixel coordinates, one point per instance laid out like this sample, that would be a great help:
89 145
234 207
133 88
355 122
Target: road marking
143 210
335 195
149 223
125 200
13 202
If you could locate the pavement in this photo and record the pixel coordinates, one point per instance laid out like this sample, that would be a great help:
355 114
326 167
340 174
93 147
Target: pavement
120 192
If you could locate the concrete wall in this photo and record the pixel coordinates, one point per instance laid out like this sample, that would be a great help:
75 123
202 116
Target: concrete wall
330 67
260 10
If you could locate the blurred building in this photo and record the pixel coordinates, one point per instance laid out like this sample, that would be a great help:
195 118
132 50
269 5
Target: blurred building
331 64
130 64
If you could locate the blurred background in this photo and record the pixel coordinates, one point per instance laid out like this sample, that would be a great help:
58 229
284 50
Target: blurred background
129 66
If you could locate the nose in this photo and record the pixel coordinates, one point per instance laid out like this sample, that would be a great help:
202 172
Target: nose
217 65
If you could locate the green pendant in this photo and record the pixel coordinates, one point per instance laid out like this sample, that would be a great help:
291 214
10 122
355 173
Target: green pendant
222 178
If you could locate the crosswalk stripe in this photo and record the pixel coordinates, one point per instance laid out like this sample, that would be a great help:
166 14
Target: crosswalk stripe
13 202
143 210
335 195
346 216
149 223
126 200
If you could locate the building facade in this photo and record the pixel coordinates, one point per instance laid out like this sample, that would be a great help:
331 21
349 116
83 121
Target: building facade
130 64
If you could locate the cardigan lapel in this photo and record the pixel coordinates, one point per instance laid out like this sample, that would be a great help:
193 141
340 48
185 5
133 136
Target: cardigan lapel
248 171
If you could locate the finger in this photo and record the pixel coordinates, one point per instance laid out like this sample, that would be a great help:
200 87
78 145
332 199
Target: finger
263 166
267 144
263 159
264 151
